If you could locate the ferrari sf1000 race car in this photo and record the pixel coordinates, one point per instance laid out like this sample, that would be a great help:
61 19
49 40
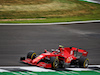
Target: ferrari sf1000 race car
60 57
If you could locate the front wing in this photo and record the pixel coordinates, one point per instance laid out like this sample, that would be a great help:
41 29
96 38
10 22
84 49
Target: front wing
40 64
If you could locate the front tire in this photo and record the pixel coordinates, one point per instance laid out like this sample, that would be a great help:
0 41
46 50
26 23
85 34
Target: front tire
83 62
54 62
31 55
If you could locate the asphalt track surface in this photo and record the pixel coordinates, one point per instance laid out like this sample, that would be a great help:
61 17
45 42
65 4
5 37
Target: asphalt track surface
17 41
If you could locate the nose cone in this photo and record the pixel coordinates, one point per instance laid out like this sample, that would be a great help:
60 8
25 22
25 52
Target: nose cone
34 63
36 60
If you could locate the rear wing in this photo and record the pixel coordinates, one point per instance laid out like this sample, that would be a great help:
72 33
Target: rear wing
74 51
84 53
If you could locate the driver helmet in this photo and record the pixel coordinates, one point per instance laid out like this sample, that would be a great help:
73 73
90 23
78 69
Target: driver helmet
61 48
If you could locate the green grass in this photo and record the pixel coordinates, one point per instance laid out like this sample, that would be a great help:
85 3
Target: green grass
53 73
52 20
52 10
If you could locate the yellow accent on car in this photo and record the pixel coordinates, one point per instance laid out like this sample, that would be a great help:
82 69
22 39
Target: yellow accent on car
32 55
56 57
85 61
54 61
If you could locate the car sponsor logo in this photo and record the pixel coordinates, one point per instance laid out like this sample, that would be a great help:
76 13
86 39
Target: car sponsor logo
69 59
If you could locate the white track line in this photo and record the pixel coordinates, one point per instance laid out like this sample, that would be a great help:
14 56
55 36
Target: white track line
75 72
79 69
93 1
67 72
22 73
1 70
16 73
34 69
96 71
32 73
61 73
40 69
59 23
94 66
37 69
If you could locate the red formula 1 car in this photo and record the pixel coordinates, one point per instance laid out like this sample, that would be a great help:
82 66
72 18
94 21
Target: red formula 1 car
61 57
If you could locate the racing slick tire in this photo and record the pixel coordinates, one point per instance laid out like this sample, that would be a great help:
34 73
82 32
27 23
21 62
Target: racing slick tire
54 62
31 55
83 62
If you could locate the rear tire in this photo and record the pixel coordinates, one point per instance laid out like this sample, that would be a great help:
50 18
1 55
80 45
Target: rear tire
83 62
54 62
31 55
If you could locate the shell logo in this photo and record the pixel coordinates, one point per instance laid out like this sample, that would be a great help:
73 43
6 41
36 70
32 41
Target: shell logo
68 60
38 57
